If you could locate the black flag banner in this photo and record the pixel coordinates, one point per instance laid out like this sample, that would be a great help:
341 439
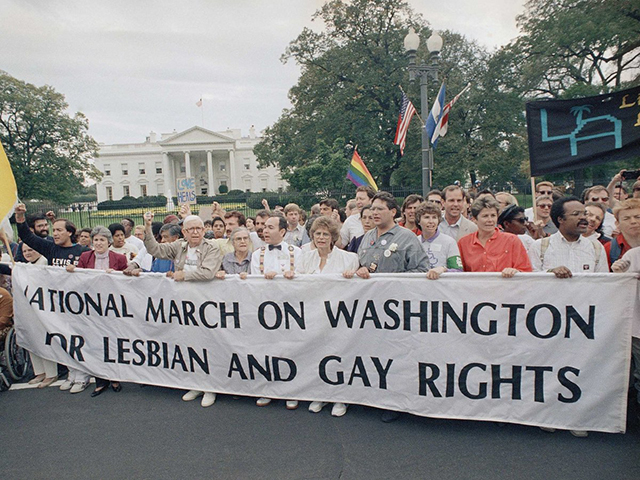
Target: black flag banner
570 134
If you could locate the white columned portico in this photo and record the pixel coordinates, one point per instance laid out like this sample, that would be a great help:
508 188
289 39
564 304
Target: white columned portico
168 181
187 164
232 170
211 190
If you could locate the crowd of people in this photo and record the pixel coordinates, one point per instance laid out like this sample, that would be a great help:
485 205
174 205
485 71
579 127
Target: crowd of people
452 230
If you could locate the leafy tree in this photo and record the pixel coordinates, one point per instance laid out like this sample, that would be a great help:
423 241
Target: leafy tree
348 90
49 150
348 94
573 48
570 49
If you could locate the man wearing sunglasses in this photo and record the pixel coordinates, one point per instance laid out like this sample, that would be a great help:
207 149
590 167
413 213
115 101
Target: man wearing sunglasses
542 189
544 222
513 220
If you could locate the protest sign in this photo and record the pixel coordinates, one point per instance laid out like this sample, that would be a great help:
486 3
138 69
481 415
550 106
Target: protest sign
186 191
533 349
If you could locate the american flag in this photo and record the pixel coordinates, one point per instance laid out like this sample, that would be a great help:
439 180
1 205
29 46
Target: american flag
407 111
443 123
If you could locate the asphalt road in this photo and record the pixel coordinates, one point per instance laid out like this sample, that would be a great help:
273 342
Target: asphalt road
149 433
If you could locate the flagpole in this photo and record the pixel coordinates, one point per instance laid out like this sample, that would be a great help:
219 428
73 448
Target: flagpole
202 99
533 197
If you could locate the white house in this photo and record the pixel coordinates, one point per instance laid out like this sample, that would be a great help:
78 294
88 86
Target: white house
212 158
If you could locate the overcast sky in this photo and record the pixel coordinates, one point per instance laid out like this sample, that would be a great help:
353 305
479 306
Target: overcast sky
133 66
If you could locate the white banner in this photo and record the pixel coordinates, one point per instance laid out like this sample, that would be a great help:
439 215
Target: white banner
533 349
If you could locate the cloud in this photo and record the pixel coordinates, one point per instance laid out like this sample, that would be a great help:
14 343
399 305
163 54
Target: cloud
136 66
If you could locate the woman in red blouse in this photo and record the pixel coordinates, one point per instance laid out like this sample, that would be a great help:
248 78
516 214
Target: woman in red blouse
101 258
489 249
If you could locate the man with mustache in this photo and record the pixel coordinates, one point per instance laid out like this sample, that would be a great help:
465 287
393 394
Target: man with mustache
567 251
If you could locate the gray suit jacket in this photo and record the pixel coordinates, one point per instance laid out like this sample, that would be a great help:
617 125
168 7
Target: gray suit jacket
466 227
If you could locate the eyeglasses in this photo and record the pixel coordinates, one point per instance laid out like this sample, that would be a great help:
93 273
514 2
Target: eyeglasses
322 234
194 229
548 192
544 206
522 220
577 214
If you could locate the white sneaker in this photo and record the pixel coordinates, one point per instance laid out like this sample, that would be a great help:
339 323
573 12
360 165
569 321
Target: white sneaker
208 399
66 385
79 387
315 407
292 404
263 402
339 409
579 433
191 395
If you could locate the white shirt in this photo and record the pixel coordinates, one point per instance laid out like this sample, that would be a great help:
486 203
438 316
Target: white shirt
451 230
528 212
633 256
191 263
276 260
579 256
608 224
128 250
256 241
143 259
526 240
338 261
439 249
352 227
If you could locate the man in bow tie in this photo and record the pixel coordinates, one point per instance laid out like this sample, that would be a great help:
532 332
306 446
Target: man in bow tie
276 257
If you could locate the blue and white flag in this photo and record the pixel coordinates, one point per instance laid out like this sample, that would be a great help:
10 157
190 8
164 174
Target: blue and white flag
435 114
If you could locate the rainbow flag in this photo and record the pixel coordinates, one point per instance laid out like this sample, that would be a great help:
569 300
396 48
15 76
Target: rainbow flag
359 174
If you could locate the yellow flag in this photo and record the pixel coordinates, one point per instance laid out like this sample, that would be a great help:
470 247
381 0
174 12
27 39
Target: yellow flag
8 189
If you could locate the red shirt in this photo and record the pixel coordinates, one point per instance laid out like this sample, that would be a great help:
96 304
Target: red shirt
416 230
502 250
624 247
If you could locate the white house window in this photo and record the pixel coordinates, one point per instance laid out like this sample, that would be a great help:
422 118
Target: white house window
107 170
223 167
183 169
247 166
125 169
142 169
203 168
158 168
109 193
143 190
126 191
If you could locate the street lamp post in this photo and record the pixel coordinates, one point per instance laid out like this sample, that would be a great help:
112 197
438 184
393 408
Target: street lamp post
424 71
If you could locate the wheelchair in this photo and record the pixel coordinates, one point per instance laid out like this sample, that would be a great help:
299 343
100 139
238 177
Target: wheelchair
15 362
